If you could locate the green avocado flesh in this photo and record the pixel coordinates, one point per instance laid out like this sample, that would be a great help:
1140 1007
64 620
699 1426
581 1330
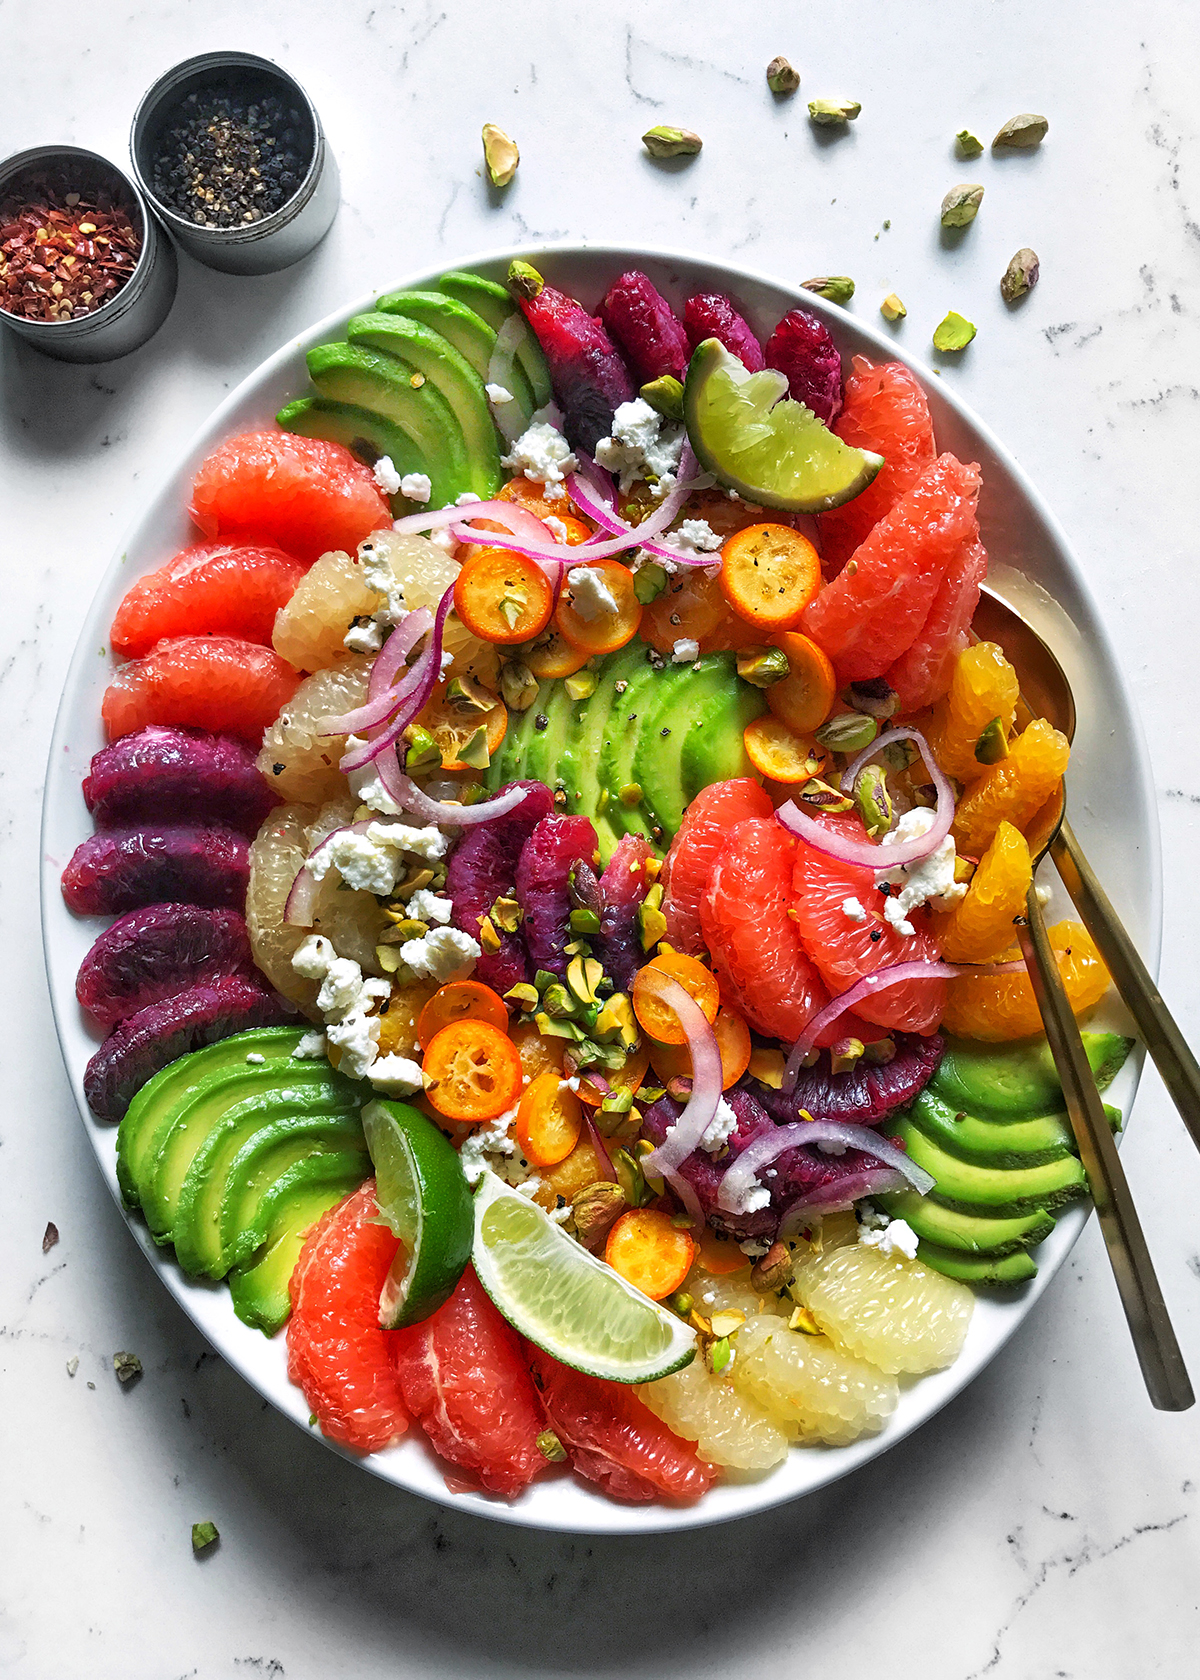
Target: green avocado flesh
467 331
363 432
492 303
226 1157
658 733
990 1128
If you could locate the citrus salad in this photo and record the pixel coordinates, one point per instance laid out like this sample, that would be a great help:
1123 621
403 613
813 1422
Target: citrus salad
561 845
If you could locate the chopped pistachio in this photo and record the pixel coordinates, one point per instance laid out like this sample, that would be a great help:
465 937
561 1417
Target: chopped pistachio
595 1209
652 925
772 1271
762 666
49 1237
524 994
464 694
630 794
1020 276
423 751
617 1101
892 309
829 113
550 1028
875 696
681 1302
899 755
127 1366
631 1179
781 77
549 1445
954 333
489 938
964 869
500 154
584 974
507 914
969 145
510 608
665 396
649 582
543 978
666 142
961 204
803 1320
718 1355
726 1321
204 1534
389 959
616 1019
583 887
1025 131
873 800
767 1066
838 288
474 750
557 1001
845 1055
518 685
848 732
992 744
581 685
641 1148
415 881
824 796
583 920
880 1052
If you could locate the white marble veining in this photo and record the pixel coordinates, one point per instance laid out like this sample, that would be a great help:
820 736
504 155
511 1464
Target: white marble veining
1044 1527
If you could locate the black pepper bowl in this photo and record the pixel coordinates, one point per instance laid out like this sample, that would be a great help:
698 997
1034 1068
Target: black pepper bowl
302 192
141 305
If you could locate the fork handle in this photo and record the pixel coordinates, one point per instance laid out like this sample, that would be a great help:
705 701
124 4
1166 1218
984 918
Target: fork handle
1155 1024
1154 1341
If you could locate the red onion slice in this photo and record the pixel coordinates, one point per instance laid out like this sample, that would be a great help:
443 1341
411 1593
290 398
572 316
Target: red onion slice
301 903
687 1195
412 695
402 640
599 1147
511 515
409 797
768 1146
390 660
683 1138
837 1196
866 853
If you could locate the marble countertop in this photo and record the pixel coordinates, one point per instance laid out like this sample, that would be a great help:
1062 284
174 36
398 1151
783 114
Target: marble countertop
1043 1527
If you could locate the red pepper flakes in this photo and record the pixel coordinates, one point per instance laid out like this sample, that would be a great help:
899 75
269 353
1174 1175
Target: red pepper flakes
63 255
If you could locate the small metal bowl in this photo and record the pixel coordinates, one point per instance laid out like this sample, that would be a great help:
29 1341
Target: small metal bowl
287 234
142 304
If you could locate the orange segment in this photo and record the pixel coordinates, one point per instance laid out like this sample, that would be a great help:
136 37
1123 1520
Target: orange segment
398 1029
998 1007
980 926
674 1061
984 686
769 574
804 699
650 1252
1013 790
657 1017
548 1121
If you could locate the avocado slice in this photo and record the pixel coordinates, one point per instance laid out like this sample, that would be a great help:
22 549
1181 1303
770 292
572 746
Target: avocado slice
707 688
199 1245
468 332
969 1233
582 752
363 432
268 1156
546 746
439 363
289 1211
355 373
1006 1271
713 750
179 1079
184 1128
1017 1081
998 1191
623 732
992 1143
493 304
511 763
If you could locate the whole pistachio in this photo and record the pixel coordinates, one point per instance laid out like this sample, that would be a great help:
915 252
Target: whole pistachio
831 113
583 889
823 796
873 800
596 1209
848 732
524 279
518 685
665 396
1026 131
969 145
875 696
500 154
892 309
961 204
838 288
773 1270
666 142
954 333
781 77
1020 276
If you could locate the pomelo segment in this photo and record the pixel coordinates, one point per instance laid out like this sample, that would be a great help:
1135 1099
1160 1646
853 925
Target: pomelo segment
749 433
884 410
200 682
211 588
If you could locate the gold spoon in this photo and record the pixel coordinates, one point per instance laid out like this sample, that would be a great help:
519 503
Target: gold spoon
1045 692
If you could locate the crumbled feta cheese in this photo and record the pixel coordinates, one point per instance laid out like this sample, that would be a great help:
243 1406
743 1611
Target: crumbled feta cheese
341 989
428 907
685 650
929 880
720 1128
312 957
311 1047
444 953
357 1037
643 445
694 536
364 638
368 789
482 1141
753 1249
871 1217
426 842
896 1237
444 541
498 395
555 527
543 456
378 575
572 1084
590 595
466 498
255 1058
416 487
853 910
560 1215
529 1186
829 1147
386 476
395 1076
753 1197
363 863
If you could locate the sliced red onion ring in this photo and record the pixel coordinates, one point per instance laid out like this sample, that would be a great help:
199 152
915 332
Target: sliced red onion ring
893 975
838 1195
511 515
301 903
768 1146
599 1147
395 650
683 1138
866 853
412 695
409 797
686 1193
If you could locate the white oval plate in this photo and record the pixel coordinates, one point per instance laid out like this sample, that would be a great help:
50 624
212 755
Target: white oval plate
1112 808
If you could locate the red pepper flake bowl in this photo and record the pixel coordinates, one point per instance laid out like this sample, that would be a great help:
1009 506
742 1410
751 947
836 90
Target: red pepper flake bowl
86 273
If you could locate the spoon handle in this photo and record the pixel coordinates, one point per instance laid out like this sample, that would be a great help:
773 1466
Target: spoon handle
1159 1033
1154 1341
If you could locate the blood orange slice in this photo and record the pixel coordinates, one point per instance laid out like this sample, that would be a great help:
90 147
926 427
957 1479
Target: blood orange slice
337 1353
305 494
884 410
212 588
695 848
201 682
465 1380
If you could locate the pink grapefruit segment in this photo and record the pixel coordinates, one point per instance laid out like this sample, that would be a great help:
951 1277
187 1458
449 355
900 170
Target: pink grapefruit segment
922 674
211 588
201 682
694 850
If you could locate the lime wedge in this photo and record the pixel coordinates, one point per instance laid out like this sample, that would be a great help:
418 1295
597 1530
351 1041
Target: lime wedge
424 1198
749 433
565 1299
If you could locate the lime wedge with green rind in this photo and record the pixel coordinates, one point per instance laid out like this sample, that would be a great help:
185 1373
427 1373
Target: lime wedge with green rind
756 440
566 1300
424 1197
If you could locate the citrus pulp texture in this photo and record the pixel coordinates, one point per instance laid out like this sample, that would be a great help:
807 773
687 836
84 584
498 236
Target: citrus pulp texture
813 1389
694 850
200 682
212 588
298 761
337 1353
983 686
922 673
885 1308
998 1007
1013 790
980 927
728 1427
